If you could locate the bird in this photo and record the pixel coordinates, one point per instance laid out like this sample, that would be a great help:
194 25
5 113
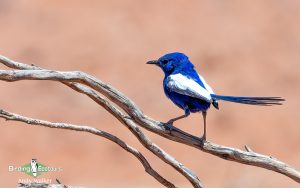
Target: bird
189 91
34 167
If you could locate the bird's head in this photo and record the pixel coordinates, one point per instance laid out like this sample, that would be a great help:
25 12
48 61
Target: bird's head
172 61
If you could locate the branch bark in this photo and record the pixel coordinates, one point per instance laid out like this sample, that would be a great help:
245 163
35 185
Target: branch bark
15 117
124 119
90 86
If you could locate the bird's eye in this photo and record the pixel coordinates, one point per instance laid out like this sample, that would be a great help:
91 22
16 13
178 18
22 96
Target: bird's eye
164 61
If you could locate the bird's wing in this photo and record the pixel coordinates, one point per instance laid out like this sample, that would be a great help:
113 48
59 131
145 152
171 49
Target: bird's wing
183 85
208 88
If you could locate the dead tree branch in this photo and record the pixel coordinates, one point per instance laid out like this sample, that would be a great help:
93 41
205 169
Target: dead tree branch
90 86
126 120
15 117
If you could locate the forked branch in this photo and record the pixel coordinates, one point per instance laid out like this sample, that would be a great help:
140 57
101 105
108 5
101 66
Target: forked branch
125 120
91 86
15 117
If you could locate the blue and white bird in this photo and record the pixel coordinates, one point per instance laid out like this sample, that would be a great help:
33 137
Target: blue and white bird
189 91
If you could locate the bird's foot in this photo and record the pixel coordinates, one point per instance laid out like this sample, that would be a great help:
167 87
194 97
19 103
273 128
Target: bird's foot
203 138
169 126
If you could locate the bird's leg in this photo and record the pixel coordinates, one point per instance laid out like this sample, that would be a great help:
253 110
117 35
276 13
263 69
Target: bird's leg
186 114
171 121
204 119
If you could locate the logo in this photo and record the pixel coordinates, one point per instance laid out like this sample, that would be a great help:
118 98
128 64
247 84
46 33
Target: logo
34 168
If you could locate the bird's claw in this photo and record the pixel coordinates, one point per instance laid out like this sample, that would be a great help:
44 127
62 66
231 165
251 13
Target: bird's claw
203 138
169 125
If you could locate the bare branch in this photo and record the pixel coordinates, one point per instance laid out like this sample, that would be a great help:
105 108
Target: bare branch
136 115
126 120
15 117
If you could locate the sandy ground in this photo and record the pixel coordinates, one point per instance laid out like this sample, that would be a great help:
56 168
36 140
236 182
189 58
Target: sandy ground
240 47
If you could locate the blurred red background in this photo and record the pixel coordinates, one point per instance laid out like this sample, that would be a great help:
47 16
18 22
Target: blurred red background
240 47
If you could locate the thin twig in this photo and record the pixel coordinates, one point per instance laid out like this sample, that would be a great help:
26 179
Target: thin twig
64 186
15 117
247 148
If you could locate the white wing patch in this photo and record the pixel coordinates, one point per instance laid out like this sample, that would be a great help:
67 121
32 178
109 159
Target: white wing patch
185 86
208 88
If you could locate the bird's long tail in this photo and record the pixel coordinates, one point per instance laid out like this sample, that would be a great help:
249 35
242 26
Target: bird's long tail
262 101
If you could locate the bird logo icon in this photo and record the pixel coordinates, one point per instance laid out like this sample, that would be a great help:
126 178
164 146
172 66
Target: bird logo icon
34 167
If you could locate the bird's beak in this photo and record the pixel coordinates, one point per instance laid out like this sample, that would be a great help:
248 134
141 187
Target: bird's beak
153 62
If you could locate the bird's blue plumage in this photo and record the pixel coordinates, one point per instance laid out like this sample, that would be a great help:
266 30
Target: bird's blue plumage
179 63
181 100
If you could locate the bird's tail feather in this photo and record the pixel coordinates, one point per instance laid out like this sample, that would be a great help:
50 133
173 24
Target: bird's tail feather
262 101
